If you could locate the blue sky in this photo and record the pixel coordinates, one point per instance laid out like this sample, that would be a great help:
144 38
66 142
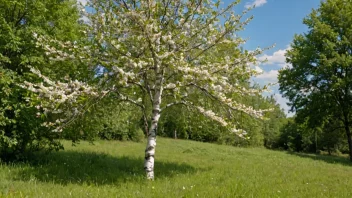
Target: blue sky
275 22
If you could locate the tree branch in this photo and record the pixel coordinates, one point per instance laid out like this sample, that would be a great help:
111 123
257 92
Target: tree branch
173 104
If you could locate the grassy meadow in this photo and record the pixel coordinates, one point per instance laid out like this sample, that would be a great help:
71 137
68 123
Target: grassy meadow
182 169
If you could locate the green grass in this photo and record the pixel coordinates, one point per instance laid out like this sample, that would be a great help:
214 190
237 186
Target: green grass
183 169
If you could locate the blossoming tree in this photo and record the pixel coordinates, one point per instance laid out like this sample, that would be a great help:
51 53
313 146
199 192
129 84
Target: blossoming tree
166 50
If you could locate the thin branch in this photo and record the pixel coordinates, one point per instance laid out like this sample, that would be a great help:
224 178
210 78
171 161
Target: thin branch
212 45
126 6
149 91
127 99
173 104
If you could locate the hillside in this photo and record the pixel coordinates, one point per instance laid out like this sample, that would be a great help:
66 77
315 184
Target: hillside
182 168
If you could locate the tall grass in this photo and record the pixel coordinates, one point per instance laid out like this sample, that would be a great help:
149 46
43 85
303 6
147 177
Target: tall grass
183 169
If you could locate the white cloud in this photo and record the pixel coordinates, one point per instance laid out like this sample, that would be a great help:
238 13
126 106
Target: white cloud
256 3
271 77
283 104
258 69
268 77
277 58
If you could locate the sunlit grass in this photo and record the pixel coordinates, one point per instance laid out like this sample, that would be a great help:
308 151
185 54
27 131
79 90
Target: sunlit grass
183 169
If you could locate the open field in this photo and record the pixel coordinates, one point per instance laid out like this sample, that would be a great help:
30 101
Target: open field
183 169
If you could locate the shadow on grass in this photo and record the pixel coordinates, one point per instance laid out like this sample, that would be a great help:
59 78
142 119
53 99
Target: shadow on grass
325 158
94 169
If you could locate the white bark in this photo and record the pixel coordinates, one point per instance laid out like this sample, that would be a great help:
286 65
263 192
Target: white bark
151 143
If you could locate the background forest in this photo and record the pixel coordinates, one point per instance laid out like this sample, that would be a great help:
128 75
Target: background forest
23 120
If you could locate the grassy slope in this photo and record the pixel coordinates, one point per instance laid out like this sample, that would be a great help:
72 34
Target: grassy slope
183 169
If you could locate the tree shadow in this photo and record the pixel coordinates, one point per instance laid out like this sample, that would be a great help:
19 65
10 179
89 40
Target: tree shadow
325 158
94 168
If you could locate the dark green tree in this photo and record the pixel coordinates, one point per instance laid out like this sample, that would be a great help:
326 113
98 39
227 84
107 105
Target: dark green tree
272 126
20 20
319 83
291 136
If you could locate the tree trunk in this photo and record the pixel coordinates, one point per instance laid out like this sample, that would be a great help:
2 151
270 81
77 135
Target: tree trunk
348 133
151 143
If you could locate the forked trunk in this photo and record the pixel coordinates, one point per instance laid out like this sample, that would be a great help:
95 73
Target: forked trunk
151 143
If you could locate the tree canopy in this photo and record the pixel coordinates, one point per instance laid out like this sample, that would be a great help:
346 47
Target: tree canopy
319 82
111 69
173 52
20 128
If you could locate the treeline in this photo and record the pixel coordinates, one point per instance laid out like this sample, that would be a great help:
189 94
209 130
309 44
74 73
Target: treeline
116 121
24 121
300 137
124 121
126 110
